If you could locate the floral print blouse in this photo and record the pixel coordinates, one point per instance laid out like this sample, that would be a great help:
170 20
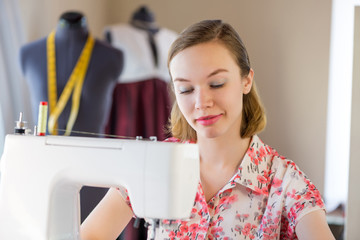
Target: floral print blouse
264 200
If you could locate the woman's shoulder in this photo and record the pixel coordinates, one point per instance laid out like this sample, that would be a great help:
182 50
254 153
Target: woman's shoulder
281 169
276 161
289 182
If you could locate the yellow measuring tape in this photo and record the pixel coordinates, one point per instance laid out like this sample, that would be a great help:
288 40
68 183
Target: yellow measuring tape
73 86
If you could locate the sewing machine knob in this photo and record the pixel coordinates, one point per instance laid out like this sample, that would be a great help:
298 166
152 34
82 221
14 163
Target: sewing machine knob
153 138
20 127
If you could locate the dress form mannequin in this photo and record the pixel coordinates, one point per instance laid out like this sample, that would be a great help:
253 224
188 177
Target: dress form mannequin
145 46
104 68
143 19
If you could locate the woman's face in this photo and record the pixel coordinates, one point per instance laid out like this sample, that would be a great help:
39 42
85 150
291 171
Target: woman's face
209 89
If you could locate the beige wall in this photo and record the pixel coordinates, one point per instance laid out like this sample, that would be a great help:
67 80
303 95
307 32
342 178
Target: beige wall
41 16
288 43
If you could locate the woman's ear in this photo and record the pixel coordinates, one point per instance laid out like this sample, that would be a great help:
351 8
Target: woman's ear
247 81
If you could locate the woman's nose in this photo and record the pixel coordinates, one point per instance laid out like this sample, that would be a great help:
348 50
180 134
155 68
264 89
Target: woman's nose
203 99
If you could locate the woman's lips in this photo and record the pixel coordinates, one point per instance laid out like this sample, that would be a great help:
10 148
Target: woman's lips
208 120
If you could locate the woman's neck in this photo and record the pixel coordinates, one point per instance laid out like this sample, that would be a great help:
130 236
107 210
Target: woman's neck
223 151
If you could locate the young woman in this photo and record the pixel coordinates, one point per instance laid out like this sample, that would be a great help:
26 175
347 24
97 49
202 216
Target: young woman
246 189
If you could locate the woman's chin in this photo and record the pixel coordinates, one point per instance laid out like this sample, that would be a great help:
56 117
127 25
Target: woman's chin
209 134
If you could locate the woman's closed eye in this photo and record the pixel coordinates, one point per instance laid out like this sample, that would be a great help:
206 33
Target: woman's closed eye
185 90
217 85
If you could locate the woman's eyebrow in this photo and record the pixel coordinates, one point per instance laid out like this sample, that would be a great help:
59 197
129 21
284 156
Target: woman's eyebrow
210 75
181 80
217 71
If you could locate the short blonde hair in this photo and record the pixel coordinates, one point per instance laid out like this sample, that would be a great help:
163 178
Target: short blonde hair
253 115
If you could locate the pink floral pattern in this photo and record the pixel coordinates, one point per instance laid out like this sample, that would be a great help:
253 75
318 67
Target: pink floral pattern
264 200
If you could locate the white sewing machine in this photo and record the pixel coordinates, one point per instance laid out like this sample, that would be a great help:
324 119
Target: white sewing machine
41 178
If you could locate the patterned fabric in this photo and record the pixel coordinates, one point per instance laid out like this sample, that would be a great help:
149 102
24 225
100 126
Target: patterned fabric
264 200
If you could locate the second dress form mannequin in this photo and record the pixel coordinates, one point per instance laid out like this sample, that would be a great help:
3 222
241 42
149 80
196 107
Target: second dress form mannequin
141 102
104 68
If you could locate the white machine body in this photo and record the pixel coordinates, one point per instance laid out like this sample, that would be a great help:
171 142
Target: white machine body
41 178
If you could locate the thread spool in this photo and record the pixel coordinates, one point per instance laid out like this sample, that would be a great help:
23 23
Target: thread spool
42 119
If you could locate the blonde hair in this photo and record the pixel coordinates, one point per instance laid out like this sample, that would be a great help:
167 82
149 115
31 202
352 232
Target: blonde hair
253 116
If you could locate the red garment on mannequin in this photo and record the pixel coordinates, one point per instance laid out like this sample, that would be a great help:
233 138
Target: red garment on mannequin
140 109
